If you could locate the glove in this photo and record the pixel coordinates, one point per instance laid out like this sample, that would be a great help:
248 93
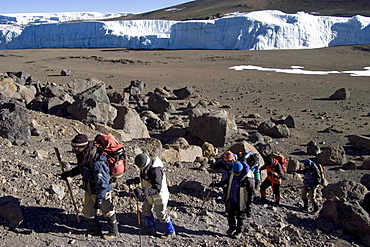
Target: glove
137 180
130 181
141 193
133 181
98 203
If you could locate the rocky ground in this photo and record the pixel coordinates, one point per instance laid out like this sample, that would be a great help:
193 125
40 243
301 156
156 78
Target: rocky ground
30 172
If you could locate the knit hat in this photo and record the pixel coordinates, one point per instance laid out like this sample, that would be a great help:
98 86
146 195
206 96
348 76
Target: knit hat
237 167
142 160
80 140
308 162
228 156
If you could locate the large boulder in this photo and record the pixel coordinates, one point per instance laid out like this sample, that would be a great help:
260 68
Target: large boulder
360 142
342 210
332 156
10 210
278 131
344 190
130 122
16 91
365 180
340 94
159 104
91 101
215 127
15 123
183 93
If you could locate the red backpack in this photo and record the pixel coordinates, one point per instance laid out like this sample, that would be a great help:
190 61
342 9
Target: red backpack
282 161
115 152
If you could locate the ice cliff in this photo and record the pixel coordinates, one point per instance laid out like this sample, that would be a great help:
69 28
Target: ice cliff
260 30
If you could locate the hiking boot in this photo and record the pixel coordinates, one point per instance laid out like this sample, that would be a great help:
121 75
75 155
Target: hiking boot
237 235
230 231
170 231
94 229
168 236
113 228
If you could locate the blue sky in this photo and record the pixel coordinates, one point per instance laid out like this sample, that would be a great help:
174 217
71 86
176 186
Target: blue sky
51 6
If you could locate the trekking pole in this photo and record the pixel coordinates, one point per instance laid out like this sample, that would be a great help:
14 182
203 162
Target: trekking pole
138 218
131 195
204 200
68 185
77 131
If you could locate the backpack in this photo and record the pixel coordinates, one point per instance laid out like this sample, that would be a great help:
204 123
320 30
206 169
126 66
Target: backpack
115 152
282 161
322 174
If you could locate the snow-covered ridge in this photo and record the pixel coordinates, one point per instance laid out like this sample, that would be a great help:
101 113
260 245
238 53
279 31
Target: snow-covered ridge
260 30
42 18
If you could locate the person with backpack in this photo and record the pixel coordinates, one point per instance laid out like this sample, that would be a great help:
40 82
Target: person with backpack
273 179
154 193
239 197
311 182
252 160
224 165
92 165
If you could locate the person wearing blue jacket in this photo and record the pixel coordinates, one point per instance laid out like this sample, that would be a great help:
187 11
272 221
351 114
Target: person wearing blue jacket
92 165
239 197
311 182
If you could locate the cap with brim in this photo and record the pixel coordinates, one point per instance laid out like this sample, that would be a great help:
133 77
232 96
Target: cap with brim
79 140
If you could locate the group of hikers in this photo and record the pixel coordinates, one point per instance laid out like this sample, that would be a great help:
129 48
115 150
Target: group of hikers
241 177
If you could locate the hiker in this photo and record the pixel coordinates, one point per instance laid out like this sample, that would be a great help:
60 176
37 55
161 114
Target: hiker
225 166
311 182
252 160
154 193
239 197
273 179
92 165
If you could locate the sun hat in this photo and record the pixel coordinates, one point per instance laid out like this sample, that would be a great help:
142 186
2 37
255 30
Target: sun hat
142 160
237 167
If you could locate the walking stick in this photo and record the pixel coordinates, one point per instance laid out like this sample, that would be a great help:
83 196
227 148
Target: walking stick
131 195
138 219
204 200
68 185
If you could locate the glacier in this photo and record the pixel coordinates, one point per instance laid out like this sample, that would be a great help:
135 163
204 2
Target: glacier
259 30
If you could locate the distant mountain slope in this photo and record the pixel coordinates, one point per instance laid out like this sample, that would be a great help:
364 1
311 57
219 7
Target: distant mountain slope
208 9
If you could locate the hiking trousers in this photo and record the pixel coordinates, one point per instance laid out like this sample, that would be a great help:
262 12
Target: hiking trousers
236 218
311 194
160 211
107 206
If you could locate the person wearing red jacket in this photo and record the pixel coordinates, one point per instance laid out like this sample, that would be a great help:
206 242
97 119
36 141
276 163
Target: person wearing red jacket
273 179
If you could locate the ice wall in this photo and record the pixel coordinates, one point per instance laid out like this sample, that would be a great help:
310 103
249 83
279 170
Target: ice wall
260 30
